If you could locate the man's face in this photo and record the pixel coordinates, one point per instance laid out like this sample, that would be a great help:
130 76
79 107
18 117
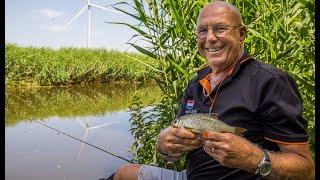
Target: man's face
220 52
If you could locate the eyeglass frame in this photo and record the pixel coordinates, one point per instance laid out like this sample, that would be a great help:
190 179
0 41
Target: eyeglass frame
214 30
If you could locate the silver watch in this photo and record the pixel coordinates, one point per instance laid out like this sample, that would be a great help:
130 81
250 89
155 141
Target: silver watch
265 166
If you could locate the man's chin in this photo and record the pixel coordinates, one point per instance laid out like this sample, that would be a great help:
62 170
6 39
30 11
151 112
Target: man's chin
215 62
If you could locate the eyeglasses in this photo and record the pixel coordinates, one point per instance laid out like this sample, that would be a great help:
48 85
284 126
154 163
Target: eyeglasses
219 31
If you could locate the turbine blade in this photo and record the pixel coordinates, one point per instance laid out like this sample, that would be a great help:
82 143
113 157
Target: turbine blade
82 125
101 7
78 14
105 124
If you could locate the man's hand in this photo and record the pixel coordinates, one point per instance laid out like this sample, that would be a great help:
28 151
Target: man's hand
231 150
294 161
176 141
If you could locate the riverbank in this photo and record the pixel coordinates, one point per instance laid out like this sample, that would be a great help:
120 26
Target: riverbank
35 66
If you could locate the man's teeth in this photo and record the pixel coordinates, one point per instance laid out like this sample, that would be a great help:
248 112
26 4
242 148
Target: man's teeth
213 49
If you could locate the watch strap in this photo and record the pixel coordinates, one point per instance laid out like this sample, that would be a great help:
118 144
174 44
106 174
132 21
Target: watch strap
265 159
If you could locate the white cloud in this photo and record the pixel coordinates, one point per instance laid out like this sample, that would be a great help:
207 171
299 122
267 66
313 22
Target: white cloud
50 13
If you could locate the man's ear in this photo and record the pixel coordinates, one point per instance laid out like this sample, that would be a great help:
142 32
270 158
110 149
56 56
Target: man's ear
243 33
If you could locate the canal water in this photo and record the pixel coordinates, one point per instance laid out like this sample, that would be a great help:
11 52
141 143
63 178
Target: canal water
98 115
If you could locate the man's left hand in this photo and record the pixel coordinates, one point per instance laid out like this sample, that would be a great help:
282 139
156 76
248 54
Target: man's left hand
231 150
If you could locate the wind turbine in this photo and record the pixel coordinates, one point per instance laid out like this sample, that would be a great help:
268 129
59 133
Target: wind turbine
88 6
87 128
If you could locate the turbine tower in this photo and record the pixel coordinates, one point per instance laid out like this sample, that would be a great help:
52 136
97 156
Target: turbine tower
87 128
88 6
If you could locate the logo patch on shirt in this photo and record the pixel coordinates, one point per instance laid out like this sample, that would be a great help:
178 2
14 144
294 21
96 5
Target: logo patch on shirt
189 106
190 103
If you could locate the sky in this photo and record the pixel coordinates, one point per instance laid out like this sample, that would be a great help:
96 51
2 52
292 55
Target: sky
41 23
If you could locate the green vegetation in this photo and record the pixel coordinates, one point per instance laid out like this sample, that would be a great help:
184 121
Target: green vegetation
28 104
47 67
279 32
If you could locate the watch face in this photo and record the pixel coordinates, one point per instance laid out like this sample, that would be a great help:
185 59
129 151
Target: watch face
265 168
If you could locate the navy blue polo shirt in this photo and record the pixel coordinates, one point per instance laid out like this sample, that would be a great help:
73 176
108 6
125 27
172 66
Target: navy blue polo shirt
256 96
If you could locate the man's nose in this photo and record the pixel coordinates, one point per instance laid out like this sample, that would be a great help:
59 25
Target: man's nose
211 35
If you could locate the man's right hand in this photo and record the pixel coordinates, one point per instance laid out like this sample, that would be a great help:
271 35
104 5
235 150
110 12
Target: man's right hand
176 140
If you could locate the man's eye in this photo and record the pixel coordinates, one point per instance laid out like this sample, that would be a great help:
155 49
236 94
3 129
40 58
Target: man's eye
220 28
202 30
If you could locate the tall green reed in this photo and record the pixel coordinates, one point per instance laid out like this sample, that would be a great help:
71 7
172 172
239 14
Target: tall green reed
168 26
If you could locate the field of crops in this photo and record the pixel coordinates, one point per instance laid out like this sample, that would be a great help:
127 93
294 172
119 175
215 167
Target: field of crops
48 67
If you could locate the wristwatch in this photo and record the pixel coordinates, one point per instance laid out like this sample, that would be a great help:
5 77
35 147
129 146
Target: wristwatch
161 154
167 157
265 165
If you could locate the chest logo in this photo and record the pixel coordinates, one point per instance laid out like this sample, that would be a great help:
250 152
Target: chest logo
189 107
190 103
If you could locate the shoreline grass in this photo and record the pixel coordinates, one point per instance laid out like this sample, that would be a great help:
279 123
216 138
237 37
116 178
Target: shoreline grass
42 66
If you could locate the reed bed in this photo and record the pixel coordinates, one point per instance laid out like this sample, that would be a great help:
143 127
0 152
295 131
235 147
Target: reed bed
34 66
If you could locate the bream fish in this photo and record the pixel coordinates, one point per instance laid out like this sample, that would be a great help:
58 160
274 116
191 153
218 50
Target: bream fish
199 122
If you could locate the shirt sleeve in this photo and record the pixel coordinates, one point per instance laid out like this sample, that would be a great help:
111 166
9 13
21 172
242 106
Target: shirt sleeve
183 102
281 108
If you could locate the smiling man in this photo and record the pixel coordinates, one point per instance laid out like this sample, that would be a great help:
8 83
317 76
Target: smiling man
220 35
245 93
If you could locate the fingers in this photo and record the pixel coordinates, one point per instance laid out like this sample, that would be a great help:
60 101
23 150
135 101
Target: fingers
216 144
179 148
212 150
184 137
177 140
175 144
209 145
217 136
217 150
182 133
187 142
215 153
213 136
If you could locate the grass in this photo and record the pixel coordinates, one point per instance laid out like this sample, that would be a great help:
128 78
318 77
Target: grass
35 66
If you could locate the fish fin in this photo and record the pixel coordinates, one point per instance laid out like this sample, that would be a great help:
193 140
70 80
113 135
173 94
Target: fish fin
240 130
175 124
214 115
193 131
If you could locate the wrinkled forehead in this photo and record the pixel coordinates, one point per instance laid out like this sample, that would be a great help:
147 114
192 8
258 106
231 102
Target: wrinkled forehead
219 12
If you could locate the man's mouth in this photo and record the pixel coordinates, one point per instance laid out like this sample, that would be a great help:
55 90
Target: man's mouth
214 49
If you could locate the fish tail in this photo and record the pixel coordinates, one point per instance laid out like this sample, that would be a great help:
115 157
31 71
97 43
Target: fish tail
240 130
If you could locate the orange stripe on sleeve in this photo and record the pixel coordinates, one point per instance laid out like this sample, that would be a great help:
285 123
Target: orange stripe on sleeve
281 142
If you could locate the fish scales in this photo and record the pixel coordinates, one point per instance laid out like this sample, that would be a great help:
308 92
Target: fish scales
199 122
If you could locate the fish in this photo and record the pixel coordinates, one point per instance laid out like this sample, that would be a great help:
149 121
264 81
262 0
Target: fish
199 122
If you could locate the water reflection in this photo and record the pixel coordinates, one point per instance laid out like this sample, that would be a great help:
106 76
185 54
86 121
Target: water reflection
41 103
88 127
95 114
